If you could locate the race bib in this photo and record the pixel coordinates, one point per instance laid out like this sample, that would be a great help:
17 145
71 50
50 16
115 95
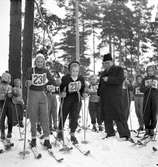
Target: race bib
51 88
39 79
148 82
137 91
94 88
74 86
155 84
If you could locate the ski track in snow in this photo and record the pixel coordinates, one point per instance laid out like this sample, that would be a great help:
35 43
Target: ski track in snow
110 152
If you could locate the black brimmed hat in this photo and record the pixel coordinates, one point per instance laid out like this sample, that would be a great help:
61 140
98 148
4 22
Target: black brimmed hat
107 57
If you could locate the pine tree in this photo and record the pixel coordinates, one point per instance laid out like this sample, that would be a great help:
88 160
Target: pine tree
27 40
15 39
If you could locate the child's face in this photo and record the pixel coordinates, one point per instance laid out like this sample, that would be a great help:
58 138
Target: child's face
75 71
125 73
93 80
39 62
17 84
139 80
150 71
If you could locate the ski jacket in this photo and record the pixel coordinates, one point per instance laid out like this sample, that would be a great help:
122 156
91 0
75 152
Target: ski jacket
149 83
93 93
40 78
5 89
73 89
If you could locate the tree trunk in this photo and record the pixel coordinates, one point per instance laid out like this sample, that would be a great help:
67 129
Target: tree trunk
15 39
27 40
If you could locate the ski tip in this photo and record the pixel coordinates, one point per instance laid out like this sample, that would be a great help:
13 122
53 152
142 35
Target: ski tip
87 153
1 151
60 160
39 156
154 149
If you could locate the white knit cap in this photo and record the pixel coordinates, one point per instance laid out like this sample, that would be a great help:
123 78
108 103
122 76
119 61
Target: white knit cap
6 77
39 56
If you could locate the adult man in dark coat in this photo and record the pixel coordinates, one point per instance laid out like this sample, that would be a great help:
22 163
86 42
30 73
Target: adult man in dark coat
110 92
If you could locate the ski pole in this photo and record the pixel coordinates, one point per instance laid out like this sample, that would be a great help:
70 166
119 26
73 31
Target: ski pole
84 141
65 148
24 152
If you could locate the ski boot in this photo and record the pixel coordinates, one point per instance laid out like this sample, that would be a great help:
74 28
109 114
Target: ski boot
2 135
73 139
39 130
59 136
94 129
9 135
33 143
21 124
100 128
47 144
110 135
8 144
151 133
147 133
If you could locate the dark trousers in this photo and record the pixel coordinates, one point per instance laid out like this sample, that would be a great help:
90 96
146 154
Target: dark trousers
114 113
6 111
139 109
122 128
150 107
71 108
95 113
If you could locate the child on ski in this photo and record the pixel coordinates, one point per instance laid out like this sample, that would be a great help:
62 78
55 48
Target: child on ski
138 100
71 88
150 105
94 104
18 102
6 105
52 92
37 79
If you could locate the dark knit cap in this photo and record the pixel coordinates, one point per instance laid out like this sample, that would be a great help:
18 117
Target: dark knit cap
73 62
107 57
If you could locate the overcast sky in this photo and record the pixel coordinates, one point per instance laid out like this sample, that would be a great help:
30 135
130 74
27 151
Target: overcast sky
4 28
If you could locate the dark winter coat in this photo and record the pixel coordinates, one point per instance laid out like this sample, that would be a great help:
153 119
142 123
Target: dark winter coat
110 93
65 84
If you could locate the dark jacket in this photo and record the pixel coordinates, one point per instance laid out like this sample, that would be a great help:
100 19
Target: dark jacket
145 88
65 84
40 78
110 93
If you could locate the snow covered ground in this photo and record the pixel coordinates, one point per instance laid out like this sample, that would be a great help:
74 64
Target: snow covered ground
104 153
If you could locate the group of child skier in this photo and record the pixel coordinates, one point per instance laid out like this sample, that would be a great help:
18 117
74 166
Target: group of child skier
42 102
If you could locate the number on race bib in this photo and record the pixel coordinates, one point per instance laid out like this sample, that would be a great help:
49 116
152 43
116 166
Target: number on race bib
148 82
155 84
39 79
74 86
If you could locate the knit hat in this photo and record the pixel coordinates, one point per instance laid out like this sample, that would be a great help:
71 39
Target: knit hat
6 77
107 57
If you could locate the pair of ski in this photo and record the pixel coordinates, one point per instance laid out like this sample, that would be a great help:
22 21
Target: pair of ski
143 141
67 149
38 155
78 147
